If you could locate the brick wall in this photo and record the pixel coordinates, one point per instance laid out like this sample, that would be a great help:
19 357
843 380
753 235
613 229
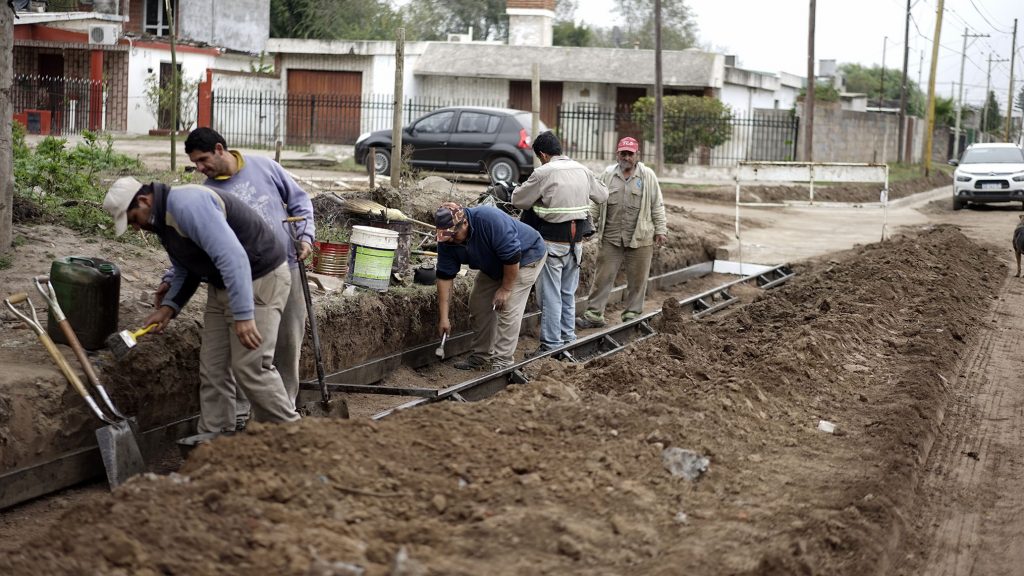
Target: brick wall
76 72
532 4
136 9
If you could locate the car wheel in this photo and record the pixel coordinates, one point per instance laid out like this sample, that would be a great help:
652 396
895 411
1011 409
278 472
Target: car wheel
958 203
503 170
381 161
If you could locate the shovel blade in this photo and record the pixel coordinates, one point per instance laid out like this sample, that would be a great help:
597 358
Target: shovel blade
119 449
333 408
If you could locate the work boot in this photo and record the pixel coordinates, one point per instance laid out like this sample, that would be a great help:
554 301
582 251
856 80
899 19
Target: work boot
542 349
627 316
472 362
585 322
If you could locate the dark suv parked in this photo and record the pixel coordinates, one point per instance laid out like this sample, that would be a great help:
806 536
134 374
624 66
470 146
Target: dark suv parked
461 139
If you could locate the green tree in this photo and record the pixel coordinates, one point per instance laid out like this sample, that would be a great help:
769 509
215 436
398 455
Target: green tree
333 19
435 19
864 80
824 91
945 111
993 120
678 29
689 122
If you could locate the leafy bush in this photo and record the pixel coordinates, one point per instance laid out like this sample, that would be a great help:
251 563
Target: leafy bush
689 122
65 183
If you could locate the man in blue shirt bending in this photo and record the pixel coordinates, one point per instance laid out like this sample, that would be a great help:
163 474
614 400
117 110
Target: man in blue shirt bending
509 256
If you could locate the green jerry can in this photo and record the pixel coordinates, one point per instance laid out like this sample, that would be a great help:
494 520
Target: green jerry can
89 292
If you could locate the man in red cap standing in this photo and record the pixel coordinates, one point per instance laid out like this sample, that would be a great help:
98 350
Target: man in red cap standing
629 225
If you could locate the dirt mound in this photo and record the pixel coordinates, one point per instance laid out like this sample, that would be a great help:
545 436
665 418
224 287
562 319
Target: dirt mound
567 475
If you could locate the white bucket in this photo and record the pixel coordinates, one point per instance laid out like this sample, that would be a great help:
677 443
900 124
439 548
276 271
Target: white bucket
371 255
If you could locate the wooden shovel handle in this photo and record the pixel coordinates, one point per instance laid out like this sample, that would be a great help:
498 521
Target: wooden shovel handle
76 347
62 363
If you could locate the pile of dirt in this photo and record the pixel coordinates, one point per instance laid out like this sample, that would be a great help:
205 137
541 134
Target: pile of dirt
568 475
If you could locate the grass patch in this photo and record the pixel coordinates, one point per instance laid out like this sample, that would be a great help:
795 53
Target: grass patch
5 262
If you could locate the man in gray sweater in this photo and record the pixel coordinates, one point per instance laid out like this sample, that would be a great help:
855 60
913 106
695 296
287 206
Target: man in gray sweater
266 188
216 238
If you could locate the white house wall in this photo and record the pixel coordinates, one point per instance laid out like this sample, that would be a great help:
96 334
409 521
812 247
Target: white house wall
744 100
493 91
242 25
145 62
233 91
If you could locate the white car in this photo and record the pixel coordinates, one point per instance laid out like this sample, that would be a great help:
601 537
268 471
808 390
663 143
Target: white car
989 173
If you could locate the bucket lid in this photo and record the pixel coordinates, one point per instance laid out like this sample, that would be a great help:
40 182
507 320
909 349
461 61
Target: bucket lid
372 230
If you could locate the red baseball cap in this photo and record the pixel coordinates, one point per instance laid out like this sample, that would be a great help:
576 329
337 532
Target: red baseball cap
628 143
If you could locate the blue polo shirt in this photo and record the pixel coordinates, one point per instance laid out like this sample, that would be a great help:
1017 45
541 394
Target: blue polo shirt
495 239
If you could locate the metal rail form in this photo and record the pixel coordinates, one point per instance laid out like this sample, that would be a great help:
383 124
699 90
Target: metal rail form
597 345
84 464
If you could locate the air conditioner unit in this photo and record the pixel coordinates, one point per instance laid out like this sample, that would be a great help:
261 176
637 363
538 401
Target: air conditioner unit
460 37
103 34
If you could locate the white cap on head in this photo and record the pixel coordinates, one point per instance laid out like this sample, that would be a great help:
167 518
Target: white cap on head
117 200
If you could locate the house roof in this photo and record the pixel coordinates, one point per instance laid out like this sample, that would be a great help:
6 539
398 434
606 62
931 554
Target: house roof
25 18
681 69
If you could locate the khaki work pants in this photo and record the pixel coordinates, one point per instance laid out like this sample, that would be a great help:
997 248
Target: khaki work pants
289 345
497 331
610 258
221 353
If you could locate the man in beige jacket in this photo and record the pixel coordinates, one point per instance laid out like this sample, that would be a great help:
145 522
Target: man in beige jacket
629 225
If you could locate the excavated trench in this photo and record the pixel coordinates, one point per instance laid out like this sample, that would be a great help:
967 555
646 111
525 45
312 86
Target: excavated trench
158 382
569 475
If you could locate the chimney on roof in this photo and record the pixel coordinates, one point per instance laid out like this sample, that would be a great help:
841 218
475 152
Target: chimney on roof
530 22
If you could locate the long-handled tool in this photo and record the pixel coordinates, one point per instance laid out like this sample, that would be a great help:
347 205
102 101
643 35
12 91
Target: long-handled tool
46 290
325 406
118 447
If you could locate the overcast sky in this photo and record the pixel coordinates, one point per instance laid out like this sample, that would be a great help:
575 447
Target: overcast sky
771 35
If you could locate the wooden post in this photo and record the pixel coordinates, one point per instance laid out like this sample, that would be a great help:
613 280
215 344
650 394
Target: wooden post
371 166
6 146
396 119
659 103
535 106
277 151
175 95
809 98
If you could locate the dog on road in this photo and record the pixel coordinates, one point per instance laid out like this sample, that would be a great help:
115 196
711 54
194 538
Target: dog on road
1018 243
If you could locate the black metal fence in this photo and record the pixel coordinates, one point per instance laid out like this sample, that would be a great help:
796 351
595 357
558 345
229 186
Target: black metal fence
588 132
260 118
58 106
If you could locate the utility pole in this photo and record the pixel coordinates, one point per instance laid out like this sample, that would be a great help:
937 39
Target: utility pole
903 87
396 116
960 100
809 100
1009 102
881 84
175 86
930 125
988 89
659 105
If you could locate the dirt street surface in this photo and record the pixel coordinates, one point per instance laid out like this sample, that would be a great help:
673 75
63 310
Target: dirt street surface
905 347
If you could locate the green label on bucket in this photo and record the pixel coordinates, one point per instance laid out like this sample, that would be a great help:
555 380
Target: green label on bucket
372 263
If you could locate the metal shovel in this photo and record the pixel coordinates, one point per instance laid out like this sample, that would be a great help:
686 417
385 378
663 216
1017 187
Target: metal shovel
439 352
325 407
118 447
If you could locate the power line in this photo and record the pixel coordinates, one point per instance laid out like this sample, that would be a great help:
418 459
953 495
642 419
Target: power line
987 21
